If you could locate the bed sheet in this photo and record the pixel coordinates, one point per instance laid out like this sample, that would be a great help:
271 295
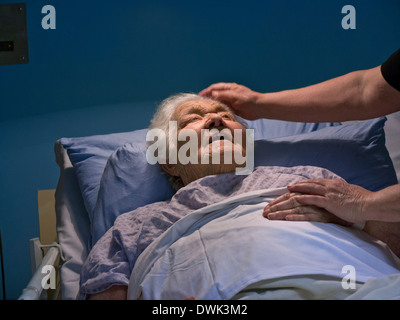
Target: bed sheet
114 255
320 288
218 251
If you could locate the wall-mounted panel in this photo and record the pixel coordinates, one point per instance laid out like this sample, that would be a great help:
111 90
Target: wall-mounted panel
13 34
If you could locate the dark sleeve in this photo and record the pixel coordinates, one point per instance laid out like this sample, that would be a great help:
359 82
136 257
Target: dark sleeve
391 70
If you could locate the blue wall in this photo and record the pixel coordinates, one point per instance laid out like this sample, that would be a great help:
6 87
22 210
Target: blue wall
107 63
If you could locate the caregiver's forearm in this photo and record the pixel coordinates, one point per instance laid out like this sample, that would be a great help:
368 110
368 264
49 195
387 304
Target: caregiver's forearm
384 205
357 95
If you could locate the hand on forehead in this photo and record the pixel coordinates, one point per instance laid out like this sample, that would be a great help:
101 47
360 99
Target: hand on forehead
201 107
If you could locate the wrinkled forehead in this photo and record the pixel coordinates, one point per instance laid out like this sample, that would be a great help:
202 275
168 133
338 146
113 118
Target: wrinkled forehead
200 107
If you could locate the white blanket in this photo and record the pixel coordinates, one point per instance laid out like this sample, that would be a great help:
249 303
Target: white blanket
218 251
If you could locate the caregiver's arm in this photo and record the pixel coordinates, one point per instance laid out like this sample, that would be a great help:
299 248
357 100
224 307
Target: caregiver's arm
384 205
348 202
357 95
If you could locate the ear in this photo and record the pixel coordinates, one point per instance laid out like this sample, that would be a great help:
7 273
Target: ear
170 169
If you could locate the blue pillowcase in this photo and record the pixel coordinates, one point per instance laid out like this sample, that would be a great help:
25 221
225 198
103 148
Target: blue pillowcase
269 129
356 152
115 177
89 156
128 182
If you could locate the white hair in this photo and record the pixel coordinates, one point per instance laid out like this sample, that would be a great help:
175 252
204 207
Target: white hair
164 114
166 110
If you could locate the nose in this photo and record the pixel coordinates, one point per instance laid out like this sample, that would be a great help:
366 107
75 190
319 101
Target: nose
214 121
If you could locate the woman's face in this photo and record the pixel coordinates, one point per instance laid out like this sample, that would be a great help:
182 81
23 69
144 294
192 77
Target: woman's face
202 118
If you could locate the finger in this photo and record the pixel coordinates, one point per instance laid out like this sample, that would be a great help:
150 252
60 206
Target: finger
309 213
322 203
280 215
284 197
286 204
285 201
308 187
322 182
279 199
225 95
313 200
317 216
215 87
306 213
306 217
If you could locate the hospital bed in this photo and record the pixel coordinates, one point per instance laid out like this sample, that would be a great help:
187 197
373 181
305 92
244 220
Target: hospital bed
96 169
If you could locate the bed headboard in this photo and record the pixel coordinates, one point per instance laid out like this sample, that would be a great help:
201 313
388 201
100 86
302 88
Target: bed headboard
47 216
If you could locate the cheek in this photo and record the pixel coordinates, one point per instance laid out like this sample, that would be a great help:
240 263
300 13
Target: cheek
190 134
195 128
237 125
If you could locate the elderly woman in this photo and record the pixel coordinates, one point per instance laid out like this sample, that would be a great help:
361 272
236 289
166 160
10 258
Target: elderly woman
107 270
191 113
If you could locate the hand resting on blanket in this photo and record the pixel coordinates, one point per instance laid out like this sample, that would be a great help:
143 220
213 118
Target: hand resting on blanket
313 200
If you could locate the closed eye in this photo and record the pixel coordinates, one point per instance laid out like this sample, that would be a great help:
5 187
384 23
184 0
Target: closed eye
188 120
194 119
227 116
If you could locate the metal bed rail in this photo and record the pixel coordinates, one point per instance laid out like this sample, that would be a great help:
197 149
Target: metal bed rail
44 268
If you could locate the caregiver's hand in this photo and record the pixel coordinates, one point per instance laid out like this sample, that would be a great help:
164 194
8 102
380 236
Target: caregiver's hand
244 101
318 200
